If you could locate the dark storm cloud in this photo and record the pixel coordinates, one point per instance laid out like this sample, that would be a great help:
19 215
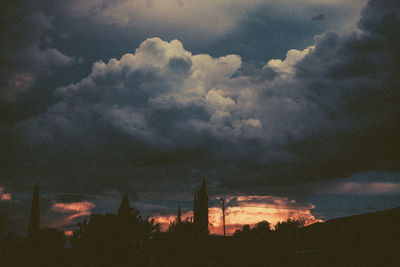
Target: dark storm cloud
43 40
318 17
28 59
162 113
355 80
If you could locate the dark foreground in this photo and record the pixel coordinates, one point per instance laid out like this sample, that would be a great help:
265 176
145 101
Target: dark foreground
128 240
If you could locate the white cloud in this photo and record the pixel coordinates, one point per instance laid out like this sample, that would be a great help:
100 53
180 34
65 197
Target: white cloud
217 102
164 98
167 98
287 66
45 59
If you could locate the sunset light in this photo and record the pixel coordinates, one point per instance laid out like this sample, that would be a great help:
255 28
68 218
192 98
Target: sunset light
210 133
4 196
74 210
250 210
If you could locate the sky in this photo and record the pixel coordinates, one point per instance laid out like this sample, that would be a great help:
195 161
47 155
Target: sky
289 105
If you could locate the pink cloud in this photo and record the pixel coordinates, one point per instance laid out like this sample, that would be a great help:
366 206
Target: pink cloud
68 233
17 84
4 196
76 209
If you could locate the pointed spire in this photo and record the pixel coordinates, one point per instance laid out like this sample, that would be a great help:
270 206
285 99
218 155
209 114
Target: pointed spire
125 208
203 189
178 218
34 220
203 184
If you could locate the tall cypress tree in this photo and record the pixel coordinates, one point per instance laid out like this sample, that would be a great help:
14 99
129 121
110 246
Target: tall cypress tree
201 209
34 220
203 202
124 210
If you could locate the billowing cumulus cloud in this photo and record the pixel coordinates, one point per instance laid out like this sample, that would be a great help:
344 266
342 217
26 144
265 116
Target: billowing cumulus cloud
354 79
161 85
165 99
325 111
43 41
288 65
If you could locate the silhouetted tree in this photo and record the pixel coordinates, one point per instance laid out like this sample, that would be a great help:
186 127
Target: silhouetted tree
262 227
120 240
52 238
124 210
183 228
200 210
34 220
245 228
259 231
179 236
244 231
289 234
289 225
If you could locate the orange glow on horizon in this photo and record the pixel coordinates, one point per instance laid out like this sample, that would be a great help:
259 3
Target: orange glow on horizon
239 210
77 209
269 208
68 233
4 196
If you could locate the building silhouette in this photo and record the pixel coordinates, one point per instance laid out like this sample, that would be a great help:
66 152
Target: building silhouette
200 209
34 219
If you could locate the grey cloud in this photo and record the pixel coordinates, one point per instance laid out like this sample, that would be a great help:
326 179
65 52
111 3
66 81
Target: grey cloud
76 30
354 79
128 94
26 48
318 17
49 57
322 112
30 62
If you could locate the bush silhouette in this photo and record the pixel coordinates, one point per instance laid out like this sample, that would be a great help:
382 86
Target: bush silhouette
289 225
110 239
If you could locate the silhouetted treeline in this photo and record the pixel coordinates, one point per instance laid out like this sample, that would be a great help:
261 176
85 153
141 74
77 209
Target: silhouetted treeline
127 239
